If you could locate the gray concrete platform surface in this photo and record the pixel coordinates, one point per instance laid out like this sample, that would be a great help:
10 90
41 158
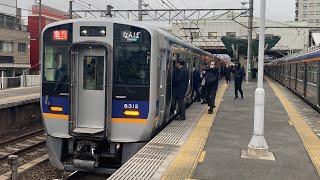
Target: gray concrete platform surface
18 96
232 131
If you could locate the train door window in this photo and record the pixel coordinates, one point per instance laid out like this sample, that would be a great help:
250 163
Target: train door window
315 74
293 71
93 73
309 73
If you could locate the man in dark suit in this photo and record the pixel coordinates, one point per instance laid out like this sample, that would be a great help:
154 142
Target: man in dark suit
227 72
196 83
179 88
212 81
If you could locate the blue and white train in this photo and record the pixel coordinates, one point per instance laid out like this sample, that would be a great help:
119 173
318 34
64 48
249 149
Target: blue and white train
106 89
300 73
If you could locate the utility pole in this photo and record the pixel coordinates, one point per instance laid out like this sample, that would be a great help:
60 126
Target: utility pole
249 54
40 29
140 10
258 148
70 9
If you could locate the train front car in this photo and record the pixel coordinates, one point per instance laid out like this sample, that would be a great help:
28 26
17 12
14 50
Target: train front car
95 93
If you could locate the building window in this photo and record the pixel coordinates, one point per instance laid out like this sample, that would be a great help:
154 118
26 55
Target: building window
22 47
2 21
318 4
194 35
305 7
311 12
305 4
318 13
310 21
305 12
10 22
212 35
231 34
6 46
311 4
230 15
317 20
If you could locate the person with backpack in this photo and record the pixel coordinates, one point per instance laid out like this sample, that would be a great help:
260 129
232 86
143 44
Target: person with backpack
211 85
238 76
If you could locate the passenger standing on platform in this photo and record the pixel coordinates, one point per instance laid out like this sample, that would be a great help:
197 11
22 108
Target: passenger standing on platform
238 75
227 72
203 83
212 81
196 83
179 88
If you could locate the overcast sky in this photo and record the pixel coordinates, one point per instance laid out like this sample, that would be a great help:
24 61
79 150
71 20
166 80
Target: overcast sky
277 10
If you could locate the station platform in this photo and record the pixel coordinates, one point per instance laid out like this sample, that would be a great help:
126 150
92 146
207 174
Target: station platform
209 146
19 96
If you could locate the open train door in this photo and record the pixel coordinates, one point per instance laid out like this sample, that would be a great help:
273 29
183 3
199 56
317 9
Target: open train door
88 90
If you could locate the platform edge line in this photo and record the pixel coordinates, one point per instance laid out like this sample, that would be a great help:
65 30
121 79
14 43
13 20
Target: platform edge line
309 139
203 123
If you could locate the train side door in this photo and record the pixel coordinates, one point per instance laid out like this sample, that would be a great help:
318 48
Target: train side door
162 93
91 91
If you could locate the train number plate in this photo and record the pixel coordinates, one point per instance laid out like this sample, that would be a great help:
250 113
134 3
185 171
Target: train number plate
131 106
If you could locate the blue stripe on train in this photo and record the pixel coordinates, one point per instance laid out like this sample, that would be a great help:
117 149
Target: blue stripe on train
118 106
55 101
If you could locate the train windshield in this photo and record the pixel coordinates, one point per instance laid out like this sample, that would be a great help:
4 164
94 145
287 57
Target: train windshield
56 62
131 55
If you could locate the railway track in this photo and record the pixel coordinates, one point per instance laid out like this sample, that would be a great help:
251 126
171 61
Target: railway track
27 147
22 144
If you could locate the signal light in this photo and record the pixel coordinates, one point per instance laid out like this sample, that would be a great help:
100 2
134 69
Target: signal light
131 113
56 109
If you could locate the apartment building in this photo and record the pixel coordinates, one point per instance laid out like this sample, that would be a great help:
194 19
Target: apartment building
309 11
14 46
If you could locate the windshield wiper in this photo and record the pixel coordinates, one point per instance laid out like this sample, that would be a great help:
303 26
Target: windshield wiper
62 79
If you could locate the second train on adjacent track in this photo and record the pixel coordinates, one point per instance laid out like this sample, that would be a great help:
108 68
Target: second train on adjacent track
300 73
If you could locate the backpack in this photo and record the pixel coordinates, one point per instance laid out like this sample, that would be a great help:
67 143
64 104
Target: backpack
210 78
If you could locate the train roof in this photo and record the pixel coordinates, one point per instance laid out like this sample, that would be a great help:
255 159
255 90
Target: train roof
148 27
311 53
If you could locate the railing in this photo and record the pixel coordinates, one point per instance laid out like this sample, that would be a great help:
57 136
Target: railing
10 82
19 81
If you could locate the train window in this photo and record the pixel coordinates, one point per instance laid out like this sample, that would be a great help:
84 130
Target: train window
131 65
93 72
56 62
131 55
293 71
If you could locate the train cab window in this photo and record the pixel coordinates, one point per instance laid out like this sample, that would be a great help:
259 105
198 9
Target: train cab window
131 56
93 72
56 62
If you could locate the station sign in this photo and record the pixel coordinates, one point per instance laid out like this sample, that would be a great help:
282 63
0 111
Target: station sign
131 36
60 35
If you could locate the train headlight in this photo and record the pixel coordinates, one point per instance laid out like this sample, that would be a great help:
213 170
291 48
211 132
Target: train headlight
131 113
56 109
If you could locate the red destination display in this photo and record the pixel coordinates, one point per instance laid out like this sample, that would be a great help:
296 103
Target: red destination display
60 35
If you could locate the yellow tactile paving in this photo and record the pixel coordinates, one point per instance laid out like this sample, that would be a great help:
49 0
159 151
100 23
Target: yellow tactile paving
185 162
310 141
